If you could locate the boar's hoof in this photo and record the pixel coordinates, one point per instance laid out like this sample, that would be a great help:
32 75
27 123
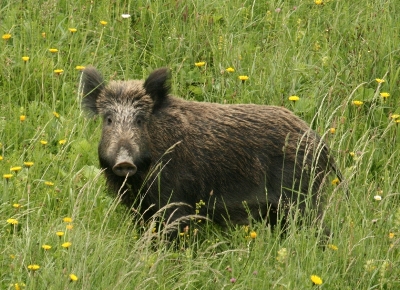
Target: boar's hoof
124 169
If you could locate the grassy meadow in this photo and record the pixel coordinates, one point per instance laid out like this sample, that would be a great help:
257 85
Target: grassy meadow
60 229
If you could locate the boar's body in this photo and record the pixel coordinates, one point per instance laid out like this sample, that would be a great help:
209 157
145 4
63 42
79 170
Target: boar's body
238 159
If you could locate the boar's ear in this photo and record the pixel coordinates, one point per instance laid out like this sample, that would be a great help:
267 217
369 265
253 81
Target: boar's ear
93 84
157 85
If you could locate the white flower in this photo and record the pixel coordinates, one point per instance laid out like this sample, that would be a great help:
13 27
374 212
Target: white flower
378 197
126 15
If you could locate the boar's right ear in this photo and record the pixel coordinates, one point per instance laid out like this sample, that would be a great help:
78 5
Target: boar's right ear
93 84
157 85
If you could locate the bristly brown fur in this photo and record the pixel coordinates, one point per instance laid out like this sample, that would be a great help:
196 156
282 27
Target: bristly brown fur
264 156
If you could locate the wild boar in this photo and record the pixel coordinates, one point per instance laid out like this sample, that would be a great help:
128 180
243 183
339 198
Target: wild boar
243 160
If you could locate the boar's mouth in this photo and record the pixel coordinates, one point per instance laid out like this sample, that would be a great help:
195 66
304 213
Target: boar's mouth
124 169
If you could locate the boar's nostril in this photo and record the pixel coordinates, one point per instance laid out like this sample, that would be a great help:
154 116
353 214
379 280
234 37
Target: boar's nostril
124 169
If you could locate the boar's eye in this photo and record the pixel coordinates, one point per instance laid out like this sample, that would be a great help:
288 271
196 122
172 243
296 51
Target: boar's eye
139 121
108 120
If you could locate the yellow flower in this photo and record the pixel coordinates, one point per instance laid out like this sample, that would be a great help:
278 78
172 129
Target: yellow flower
318 2
79 67
73 277
395 116
294 98
358 103
332 247
243 78
352 154
57 115
46 247
7 176
67 220
380 81
22 118
53 50
62 141
16 205
28 164
200 63
316 280
72 30
385 95
12 221
43 142
58 71
44 34
60 233
253 235
230 69
69 227
49 183
33 267
336 181
1 157
332 130
104 23
25 58
6 36
66 245
15 168
391 235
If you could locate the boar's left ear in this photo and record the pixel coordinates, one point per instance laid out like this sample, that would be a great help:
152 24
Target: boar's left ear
158 85
93 84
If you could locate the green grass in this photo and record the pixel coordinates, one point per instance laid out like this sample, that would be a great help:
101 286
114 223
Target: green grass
329 55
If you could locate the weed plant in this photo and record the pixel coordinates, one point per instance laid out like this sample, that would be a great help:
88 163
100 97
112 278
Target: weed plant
341 61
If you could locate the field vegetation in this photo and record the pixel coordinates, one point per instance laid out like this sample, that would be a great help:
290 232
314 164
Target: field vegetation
60 229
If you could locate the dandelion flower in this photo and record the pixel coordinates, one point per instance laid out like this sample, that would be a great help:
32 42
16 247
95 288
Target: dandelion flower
125 15
72 30
243 78
294 98
22 118
62 141
49 183
73 277
395 116
66 245
253 235
332 247
391 235
200 63
357 103
28 164
1 157
230 69
25 58
79 67
58 71
44 34
16 205
55 114
33 267
316 280
53 50
59 233
7 176
6 36
318 2
43 142
378 197
67 220
336 181
104 23
385 95
12 221
69 227
380 81
46 247
15 168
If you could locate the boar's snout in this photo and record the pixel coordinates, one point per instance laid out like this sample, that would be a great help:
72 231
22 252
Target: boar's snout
124 164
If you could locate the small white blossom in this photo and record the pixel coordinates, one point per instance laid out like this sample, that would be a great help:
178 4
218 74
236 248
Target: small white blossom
378 197
126 15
